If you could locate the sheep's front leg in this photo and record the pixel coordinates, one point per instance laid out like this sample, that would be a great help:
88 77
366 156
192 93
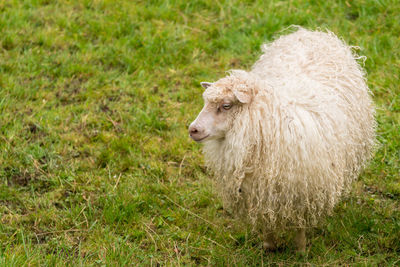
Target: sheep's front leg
300 240
269 241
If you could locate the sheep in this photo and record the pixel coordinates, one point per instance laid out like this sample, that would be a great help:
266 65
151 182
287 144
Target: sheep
286 139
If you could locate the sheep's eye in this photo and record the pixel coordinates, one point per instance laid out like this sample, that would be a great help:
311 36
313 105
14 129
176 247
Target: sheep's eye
226 106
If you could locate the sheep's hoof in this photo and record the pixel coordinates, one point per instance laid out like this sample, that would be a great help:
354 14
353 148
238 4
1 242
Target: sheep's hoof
269 246
301 250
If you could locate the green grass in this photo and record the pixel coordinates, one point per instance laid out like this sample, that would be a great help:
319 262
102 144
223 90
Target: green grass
96 167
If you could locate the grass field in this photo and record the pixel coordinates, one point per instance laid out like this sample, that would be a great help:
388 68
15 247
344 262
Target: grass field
96 167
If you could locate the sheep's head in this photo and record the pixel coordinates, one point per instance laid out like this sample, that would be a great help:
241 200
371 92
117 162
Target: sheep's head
223 100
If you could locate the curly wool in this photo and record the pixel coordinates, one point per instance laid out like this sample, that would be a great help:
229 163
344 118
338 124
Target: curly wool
294 150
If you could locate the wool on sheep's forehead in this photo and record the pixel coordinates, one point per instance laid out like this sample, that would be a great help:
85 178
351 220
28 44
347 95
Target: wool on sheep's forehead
293 151
238 86
224 89
216 95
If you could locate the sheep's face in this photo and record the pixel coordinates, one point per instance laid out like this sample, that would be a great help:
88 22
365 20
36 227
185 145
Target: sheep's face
221 103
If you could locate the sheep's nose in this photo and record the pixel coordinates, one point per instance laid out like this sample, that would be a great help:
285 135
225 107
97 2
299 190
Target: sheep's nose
193 131
196 133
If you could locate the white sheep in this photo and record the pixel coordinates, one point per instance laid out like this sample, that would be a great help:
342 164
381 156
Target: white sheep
286 139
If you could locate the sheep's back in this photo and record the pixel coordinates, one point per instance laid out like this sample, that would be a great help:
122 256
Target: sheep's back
322 91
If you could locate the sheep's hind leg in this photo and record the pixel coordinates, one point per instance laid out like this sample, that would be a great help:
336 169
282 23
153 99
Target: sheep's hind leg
300 240
269 242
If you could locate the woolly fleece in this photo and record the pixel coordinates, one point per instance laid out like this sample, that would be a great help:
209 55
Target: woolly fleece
292 151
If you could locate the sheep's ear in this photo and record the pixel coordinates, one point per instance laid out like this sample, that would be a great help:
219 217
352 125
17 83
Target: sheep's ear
244 96
205 84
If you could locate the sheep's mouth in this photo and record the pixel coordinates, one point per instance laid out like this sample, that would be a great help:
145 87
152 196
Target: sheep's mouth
201 139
